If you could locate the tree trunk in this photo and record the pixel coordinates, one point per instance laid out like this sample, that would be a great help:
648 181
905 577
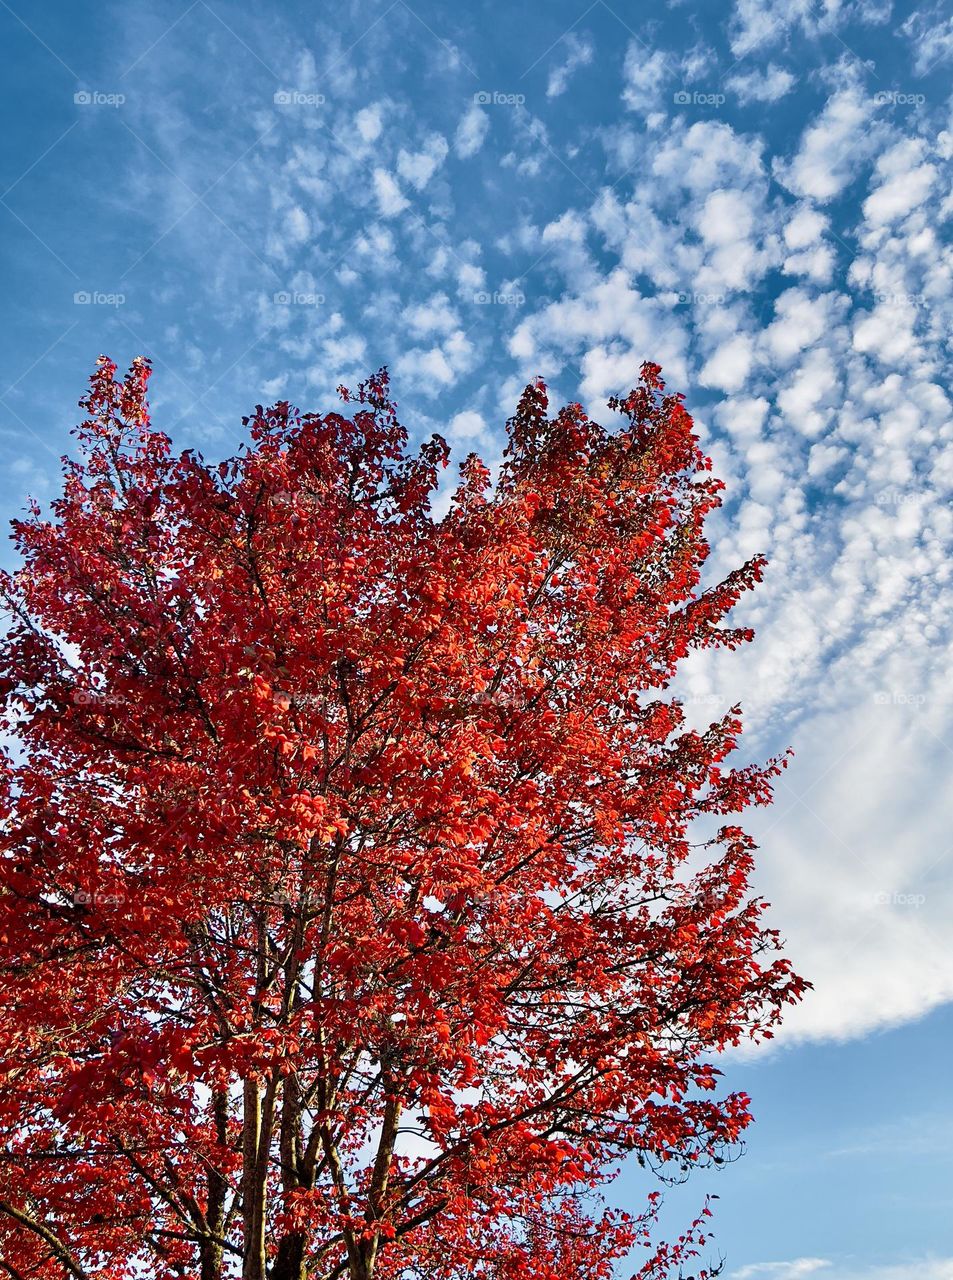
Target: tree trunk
380 1180
254 1186
210 1259
289 1264
210 1251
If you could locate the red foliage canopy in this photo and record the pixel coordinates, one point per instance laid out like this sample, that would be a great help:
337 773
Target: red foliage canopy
346 927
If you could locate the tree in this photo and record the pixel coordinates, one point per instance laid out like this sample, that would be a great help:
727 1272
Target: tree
350 922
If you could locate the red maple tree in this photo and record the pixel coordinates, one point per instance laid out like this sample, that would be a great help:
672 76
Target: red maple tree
350 924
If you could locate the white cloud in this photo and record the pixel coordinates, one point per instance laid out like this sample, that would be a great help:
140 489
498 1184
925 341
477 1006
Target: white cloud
756 24
728 367
430 370
348 351
436 315
768 85
614 324
887 332
579 54
782 1270
390 199
471 279
905 183
726 217
297 225
645 74
369 121
805 227
743 417
833 148
759 22
735 257
293 230
801 318
697 62
808 396
932 37
815 264
812 256
376 243
468 427
825 1269
707 155
471 132
860 891
418 167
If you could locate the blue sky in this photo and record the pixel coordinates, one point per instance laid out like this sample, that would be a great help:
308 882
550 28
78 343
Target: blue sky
269 200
